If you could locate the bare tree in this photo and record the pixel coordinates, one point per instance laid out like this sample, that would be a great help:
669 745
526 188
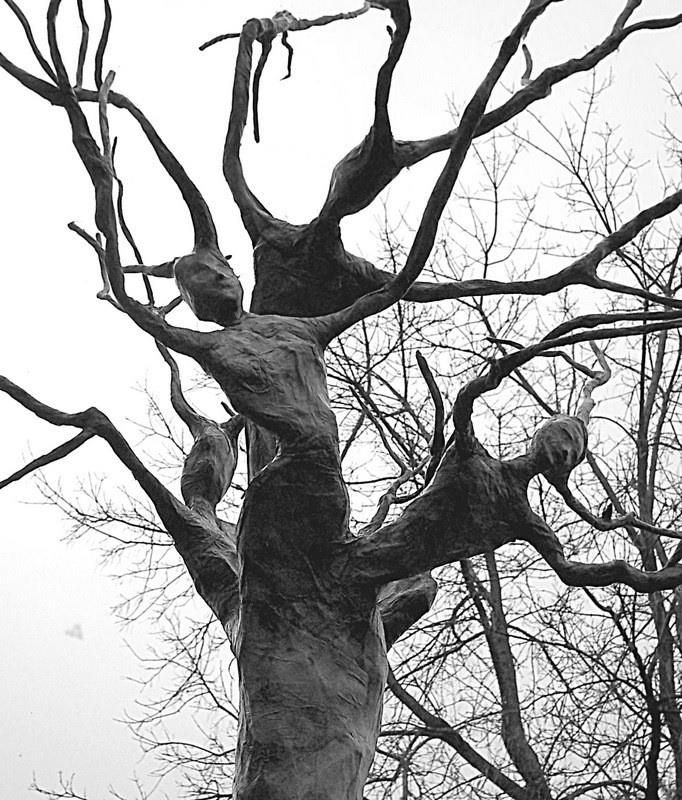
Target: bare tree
513 683
308 607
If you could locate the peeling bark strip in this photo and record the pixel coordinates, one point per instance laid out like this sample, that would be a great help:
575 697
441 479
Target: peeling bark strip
308 608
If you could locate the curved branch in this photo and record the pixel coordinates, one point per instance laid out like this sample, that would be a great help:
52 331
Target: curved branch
254 214
503 367
125 230
83 49
55 53
624 521
576 573
205 234
411 153
209 467
102 44
207 546
94 421
100 172
408 153
581 272
438 439
182 408
438 728
44 63
425 237
266 49
56 454
598 379
372 163
630 7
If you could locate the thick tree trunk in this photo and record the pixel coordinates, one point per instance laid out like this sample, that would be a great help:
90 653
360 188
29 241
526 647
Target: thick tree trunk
310 650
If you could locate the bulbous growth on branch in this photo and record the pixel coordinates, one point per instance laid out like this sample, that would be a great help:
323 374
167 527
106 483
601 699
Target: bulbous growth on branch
209 286
557 447
210 465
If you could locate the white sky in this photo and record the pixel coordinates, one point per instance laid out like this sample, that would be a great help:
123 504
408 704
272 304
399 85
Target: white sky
59 695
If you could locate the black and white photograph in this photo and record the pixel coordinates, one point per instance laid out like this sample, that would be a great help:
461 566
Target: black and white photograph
341 400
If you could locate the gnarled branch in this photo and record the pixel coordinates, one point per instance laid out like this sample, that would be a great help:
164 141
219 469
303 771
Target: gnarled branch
405 154
206 546
426 232
576 573
254 214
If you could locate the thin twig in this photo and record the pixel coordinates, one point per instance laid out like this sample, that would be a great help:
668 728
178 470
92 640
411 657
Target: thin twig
598 379
83 50
623 521
59 452
127 233
182 408
216 39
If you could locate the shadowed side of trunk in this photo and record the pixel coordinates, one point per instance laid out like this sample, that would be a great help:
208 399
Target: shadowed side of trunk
310 650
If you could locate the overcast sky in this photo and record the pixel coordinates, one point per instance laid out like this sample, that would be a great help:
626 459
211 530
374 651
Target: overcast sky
60 694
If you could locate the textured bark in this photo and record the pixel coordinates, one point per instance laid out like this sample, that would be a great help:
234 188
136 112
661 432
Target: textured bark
474 503
310 646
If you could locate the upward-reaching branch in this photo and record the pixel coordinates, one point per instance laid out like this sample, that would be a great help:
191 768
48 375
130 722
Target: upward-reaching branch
372 163
205 234
63 94
182 408
99 168
206 545
254 214
598 378
357 182
428 227
25 24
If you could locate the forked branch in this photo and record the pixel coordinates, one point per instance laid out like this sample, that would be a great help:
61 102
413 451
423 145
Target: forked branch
359 177
405 154
205 544
254 214
581 272
624 521
561 336
93 422
577 573
25 24
425 237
